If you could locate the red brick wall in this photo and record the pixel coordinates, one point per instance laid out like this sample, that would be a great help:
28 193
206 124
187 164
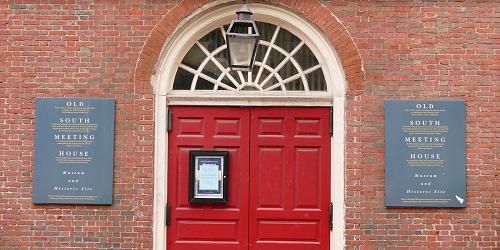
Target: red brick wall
423 50
409 50
76 49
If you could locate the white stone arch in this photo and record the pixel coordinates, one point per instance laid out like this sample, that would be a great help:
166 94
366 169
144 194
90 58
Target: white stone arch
186 34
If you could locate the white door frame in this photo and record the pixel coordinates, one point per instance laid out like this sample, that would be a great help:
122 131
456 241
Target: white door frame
189 31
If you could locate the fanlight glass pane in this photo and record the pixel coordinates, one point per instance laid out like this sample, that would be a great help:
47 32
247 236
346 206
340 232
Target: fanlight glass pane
275 58
316 80
305 58
261 51
227 82
194 57
183 79
266 30
221 58
281 56
287 40
213 40
211 70
295 85
203 84
288 70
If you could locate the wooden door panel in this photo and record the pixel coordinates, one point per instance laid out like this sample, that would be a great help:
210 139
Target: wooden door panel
207 226
296 230
307 177
290 171
269 173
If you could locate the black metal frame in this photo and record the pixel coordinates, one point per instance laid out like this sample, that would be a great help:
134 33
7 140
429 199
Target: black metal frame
224 156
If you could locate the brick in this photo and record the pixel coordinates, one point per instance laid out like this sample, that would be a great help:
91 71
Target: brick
389 50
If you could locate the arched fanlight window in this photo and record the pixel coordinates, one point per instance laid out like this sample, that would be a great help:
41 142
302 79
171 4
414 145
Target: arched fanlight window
283 63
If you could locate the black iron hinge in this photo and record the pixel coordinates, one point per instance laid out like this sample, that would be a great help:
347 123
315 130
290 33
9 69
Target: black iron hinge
167 215
331 122
331 216
169 121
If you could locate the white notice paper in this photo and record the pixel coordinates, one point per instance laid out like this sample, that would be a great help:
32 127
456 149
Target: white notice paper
209 177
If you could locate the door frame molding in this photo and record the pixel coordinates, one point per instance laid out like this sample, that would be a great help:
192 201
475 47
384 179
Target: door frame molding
188 30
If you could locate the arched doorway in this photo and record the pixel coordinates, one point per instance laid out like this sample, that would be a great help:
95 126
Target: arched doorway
252 89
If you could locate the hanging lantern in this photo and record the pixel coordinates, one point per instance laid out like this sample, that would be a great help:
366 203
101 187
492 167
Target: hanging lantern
242 38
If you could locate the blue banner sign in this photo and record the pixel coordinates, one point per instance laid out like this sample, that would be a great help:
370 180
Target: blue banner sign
74 139
425 153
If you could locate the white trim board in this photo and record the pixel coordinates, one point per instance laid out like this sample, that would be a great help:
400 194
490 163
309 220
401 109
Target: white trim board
193 28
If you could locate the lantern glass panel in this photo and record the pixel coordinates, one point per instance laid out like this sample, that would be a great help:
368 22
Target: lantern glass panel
240 50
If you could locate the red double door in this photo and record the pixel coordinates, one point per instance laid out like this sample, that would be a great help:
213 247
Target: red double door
279 178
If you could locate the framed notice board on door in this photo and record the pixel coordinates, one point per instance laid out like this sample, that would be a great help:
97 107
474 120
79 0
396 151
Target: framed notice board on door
208 172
